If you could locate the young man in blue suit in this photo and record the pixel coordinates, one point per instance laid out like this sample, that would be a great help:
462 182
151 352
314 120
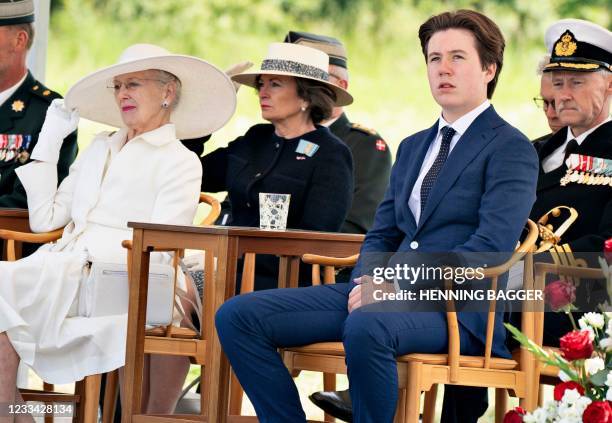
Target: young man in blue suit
464 185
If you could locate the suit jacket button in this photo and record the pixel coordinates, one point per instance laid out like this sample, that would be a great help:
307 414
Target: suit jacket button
258 175
248 204
414 245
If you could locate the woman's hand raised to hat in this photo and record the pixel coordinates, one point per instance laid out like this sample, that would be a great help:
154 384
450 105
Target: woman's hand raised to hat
59 123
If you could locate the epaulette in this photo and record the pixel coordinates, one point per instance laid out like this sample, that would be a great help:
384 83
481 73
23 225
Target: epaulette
43 92
364 129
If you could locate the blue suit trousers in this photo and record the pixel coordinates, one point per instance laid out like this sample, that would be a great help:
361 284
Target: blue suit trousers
252 326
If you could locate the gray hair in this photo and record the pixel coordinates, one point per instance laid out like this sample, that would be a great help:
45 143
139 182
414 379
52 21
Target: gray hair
542 64
168 78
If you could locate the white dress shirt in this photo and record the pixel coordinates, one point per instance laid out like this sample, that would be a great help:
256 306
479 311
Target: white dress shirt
555 159
460 126
6 94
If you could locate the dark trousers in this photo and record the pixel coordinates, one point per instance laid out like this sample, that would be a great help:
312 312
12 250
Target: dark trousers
252 326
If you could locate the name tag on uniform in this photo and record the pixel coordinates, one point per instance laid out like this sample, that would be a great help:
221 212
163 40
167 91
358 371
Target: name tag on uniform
307 148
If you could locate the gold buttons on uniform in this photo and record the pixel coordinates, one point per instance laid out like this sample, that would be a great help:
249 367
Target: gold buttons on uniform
46 92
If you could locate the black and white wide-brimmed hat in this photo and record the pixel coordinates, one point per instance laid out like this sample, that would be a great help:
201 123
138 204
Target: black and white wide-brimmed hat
208 97
298 61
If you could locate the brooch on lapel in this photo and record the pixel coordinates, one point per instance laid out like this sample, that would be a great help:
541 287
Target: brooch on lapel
18 106
587 170
307 148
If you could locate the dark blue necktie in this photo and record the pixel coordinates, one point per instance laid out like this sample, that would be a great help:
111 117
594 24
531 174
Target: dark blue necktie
436 167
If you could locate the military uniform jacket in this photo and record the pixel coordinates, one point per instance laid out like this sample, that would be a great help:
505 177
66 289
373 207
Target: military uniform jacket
372 167
23 114
321 184
593 202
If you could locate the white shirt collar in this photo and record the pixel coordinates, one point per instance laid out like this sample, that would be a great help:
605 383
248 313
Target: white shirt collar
6 94
580 138
463 123
159 136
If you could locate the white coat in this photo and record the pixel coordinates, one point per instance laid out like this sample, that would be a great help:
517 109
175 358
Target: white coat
152 178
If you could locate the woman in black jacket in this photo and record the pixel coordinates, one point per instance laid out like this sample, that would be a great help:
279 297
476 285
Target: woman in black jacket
290 155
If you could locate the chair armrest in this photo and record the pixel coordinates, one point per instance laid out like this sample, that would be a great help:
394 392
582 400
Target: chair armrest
37 238
330 261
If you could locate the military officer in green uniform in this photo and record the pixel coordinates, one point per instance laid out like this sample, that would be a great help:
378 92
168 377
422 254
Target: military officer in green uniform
23 103
371 167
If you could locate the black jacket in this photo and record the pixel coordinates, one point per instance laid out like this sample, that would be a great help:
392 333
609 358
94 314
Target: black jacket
23 114
321 186
593 202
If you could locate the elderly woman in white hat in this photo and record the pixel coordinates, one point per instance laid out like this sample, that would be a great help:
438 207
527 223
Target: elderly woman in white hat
139 173
292 154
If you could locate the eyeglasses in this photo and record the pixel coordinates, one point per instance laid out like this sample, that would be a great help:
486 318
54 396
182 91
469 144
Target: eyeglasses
130 85
543 104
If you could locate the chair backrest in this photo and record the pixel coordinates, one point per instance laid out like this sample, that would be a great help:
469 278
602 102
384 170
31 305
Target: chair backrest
493 273
215 209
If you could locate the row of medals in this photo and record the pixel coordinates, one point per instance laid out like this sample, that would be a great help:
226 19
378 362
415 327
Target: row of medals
13 146
588 170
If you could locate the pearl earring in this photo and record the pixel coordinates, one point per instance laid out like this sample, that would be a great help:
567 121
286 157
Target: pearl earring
165 104
303 108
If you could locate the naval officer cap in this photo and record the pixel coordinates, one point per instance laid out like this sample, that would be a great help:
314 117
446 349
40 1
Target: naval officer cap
578 45
14 12
333 47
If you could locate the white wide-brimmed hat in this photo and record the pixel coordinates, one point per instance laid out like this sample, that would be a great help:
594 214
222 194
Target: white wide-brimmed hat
207 102
298 61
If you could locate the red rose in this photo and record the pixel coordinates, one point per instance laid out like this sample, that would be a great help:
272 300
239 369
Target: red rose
564 386
514 416
559 294
598 412
608 250
576 345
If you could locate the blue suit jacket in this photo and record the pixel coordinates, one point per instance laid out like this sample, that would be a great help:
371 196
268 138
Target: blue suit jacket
479 202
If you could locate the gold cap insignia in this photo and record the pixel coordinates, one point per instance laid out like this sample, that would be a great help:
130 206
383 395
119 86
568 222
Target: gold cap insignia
35 87
18 105
46 92
566 45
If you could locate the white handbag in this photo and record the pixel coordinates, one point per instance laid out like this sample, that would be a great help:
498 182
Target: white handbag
104 291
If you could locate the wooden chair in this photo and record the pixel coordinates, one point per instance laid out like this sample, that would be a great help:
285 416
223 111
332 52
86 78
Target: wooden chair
168 340
421 372
86 391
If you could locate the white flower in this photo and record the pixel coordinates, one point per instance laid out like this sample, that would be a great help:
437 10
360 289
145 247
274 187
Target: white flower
570 397
609 327
593 365
606 344
595 320
609 393
609 380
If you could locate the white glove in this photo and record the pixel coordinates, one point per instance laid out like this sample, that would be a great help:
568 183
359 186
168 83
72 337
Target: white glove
59 123
194 262
236 69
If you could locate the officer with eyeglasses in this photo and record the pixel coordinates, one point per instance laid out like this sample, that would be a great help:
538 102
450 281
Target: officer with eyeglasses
546 102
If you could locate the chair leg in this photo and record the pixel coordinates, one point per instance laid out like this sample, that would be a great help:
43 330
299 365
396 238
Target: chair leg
501 404
429 405
47 387
110 397
413 393
236 392
91 398
540 395
329 384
